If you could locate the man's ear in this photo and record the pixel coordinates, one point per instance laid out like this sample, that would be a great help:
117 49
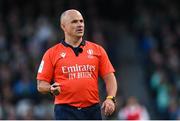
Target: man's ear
62 26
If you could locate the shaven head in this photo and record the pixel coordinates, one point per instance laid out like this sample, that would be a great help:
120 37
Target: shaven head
72 23
65 15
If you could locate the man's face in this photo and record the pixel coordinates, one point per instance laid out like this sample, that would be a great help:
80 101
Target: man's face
73 24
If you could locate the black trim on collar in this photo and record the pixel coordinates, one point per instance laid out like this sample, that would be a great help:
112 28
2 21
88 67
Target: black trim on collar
83 43
77 50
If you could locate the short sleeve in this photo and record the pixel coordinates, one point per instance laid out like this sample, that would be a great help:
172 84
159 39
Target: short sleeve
46 70
105 66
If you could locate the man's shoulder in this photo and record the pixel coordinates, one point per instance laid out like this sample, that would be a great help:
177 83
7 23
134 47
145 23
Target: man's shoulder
94 45
89 43
55 47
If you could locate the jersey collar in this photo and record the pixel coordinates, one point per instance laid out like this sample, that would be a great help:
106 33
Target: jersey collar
83 43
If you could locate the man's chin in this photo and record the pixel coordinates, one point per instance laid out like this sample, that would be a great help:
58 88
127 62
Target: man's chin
79 35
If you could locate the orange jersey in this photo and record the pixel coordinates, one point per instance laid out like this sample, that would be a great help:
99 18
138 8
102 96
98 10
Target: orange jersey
77 75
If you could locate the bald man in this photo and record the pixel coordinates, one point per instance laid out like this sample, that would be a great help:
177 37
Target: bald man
70 71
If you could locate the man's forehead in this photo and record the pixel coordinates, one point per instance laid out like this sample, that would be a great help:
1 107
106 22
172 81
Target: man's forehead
71 14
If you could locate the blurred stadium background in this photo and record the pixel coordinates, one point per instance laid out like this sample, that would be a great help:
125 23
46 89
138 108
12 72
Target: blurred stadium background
141 37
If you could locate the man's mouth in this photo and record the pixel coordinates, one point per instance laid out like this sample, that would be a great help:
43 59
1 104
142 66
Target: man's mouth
79 30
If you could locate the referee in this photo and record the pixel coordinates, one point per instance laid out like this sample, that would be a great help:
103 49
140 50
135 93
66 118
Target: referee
72 67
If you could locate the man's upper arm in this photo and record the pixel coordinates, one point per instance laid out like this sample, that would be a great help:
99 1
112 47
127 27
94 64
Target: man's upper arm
109 77
105 66
46 69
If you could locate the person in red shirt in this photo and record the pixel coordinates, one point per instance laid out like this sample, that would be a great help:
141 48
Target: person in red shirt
133 110
74 65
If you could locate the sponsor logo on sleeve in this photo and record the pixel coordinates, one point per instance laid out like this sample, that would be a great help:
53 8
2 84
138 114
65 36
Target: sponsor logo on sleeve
41 67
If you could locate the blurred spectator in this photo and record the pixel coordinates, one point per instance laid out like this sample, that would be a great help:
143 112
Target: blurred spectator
1 112
24 110
174 110
44 110
8 110
133 110
24 87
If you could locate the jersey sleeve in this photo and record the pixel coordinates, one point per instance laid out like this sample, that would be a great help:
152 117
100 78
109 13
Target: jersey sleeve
105 66
46 70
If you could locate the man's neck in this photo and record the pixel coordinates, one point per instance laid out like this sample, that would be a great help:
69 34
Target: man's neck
75 42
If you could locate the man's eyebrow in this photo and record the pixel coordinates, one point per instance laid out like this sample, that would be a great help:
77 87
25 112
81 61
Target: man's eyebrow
75 20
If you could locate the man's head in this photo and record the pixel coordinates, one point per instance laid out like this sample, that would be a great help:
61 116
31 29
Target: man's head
72 23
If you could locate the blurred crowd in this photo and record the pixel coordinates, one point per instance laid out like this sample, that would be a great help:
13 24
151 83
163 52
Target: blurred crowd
23 38
158 34
28 28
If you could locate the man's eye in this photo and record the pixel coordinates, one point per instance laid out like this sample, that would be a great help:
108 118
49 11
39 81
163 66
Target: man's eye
75 21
